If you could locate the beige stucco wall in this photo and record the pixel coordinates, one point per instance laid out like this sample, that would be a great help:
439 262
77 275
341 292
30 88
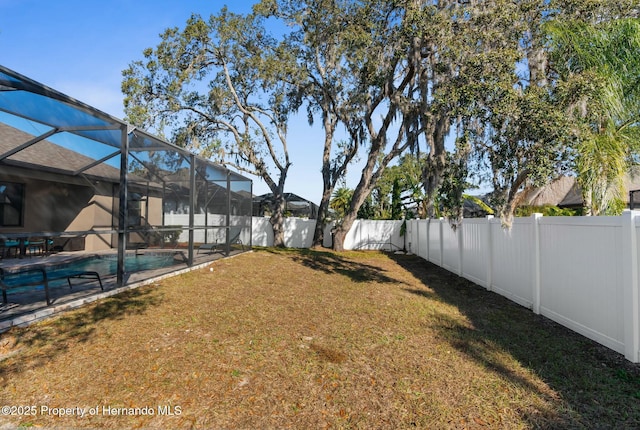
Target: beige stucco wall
98 213
49 206
55 203
154 216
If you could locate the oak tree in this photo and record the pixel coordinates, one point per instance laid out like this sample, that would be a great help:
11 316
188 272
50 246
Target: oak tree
221 87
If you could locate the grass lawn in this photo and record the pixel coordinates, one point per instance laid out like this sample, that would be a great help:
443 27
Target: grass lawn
310 339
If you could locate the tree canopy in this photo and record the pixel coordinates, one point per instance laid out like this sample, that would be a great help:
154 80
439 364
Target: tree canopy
598 67
222 87
433 96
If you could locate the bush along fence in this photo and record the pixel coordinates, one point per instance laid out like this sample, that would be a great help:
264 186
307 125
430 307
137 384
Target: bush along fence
581 272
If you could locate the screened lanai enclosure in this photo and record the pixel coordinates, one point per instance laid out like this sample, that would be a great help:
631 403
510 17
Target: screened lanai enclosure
78 184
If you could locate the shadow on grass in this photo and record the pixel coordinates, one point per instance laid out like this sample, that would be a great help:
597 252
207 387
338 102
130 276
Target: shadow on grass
42 342
596 387
335 263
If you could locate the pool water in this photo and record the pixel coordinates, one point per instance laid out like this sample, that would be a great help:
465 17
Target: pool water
104 265
108 265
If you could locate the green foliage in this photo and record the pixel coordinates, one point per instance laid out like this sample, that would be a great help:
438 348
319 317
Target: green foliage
525 120
615 207
454 183
402 185
341 201
508 110
548 210
598 65
526 144
367 210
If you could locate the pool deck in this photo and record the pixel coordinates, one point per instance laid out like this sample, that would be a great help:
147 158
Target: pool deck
25 308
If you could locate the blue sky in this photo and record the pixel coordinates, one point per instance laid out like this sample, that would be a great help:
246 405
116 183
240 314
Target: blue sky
80 47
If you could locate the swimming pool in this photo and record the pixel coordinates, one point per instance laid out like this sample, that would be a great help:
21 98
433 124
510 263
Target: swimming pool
105 265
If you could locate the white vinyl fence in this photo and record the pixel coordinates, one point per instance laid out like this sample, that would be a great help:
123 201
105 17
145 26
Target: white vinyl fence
365 234
298 232
581 272
213 234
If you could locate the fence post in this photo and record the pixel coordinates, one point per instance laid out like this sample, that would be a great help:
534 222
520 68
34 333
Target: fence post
441 241
416 237
428 226
535 220
630 280
489 248
460 238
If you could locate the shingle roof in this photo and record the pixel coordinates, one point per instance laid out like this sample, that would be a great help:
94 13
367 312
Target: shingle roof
45 155
565 191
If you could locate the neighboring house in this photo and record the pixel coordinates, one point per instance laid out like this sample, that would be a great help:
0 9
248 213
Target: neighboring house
471 207
565 192
294 206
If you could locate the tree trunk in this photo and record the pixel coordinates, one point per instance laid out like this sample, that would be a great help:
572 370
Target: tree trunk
360 194
340 233
277 221
327 182
318 234
436 162
587 205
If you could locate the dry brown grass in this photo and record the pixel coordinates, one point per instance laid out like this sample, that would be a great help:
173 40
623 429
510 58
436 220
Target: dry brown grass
311 339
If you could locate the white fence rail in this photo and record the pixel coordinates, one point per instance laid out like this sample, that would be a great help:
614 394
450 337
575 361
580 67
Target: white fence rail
581 272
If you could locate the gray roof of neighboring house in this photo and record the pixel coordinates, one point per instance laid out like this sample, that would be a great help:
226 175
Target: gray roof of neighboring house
565 191
294 203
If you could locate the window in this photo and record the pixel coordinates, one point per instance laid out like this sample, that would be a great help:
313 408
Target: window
11 203
134 215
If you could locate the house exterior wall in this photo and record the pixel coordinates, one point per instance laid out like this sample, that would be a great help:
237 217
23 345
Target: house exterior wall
98 213
47 206
70 207
154 217
54 203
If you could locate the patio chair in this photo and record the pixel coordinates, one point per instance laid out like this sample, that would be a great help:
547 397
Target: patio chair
234 238
35 247
8 246
208 248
